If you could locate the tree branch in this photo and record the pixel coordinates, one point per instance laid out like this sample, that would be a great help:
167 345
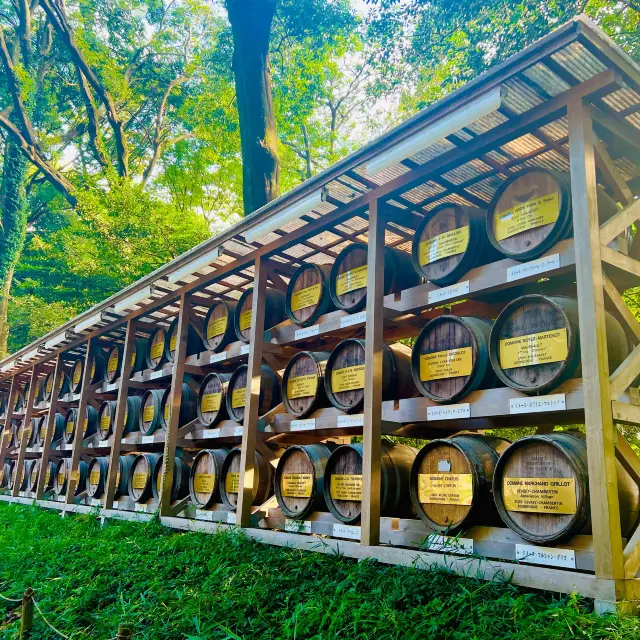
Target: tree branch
93 124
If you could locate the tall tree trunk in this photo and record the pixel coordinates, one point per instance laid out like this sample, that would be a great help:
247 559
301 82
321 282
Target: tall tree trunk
251 27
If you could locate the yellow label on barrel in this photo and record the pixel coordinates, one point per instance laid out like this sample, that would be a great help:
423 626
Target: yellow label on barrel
112 364
133 358
232 482
535 348
49 384
148 413
43 431
238 398
211 402
245 320
446 364
126 414
302 386
296 485
346 487
445 245
117 478
307 297
167 410
47 477
204 482
351 280
77 372
173 342
34 475
157 349
94 477
61 476
216 327
105 421
70 427
93 370
445 488
540 495
347 379
139 480
528 215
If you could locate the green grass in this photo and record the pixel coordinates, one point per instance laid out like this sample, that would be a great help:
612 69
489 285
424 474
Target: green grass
88 579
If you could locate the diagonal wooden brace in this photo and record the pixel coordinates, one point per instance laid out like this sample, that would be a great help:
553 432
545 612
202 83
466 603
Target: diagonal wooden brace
621 307
615 225
625 374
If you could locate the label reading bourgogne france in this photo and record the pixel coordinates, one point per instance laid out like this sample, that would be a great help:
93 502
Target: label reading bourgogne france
346 487
303 298
347 379
216 327
528 215
157 349
296 485
536 348
139 480
245 320
238 398
445 488
204 482
453 363
211 402
302 386
232 482
540 495
444 245
351 280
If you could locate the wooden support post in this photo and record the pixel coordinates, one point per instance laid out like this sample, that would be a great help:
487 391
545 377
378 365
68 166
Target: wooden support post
177 377
121 409
372 430
74 467
6 429
250 425
601 434
26 431
26 620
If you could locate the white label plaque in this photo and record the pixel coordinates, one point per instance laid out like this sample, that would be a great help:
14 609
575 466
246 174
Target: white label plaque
303 425
346 531
231 518
550 556
96 502
449 411
300 334
218 357
351 421
547 263
244 349
448 544
147 439
141 507
297 526
539 404
204 515
355 318
214 433
237 431
156 374
445 293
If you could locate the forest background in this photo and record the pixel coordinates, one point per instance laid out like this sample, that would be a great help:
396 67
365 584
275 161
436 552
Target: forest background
131 130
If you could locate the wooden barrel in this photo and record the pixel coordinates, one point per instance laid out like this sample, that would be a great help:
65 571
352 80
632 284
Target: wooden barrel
25 475
303 383
141 476
344 374
273 312
188 407
33 432
194 341
348 280
155 356
3 404
38 395
150 415
180 485
58 430
16 426
5 475
107 414
89 424
204 481
113 359
450 358
230 479
32 480
212 405
343 481
237 391
18 400
308 295
218 327
535 343
35 474
97 476
98 371
139 355
451 482
541 489
299 479
125 466
450 240
62 474
65 386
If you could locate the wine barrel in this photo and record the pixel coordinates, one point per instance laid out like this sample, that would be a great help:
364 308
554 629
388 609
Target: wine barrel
218 327
194 341
141 476
33 431
32 480
451 482
230 479
5 475
139 355
344 374
212 405
89 424
16 426
155 356
125 466
98 369
273 312
188 407
3 404
343 481
348 280
450 240
535 343
180 484
204 481
24 476
299 479
62 474
308 295
35 474
97 476
237 392
18 400
150 414
58 430
65 386
541 489
38 395
450 358
113 366
107 414
303 383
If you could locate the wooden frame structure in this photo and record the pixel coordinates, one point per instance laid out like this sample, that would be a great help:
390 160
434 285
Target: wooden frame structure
571 102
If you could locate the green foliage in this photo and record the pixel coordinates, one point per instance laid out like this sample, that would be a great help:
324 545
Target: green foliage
88 580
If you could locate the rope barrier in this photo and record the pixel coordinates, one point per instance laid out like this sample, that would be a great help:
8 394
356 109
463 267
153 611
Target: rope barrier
10 599
39 610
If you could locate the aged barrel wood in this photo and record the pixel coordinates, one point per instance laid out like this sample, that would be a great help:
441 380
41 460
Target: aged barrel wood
65 386
541 489
139 355
107 414
113 359
450 240
343 481
303 383
348 280
230 479
212 404
5 475
25 474
204 481
35 473
98 371
535 343
451 482
299 479
194 341
237 391
450 358
308 296
33 431
180 485
188 407
16 426
97 476
155 356
3 404
89 424
18 400
62 475
125 466
58 430
141 476
150 415
218 329
273 312
344 374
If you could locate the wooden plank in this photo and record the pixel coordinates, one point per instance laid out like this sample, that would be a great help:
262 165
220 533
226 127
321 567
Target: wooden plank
625 413
26 432
6 429
620 221
250 425
632 555
605 163
603 490
621 307
622 378
628 458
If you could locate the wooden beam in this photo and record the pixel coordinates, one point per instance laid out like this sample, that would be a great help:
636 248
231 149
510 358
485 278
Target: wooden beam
619 222
603 490
611 174
628 458
6 429
27 428
631 555
621 307
625 374
625 413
